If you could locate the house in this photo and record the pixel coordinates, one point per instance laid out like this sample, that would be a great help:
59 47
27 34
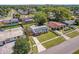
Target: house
76 12
27 20
10 35
69 22
32 10
55 25
36 30
14 20
51 15
10 22
23 12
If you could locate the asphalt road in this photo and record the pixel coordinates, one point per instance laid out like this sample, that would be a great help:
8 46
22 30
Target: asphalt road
67 47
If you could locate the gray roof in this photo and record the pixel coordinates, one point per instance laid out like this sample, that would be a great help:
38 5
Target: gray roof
37 29
70 22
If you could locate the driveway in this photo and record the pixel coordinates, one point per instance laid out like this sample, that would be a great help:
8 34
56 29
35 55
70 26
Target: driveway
63 35
66 47
39 45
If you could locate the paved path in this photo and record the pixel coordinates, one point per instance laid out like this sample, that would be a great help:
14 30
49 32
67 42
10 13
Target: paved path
66 47
64 36
38 44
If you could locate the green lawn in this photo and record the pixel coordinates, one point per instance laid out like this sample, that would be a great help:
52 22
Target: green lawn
46 36
9 27
77 52
53 42
27 25
34 49
78 26
67 31
73 34
31 41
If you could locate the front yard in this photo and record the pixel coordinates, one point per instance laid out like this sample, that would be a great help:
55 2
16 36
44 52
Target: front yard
73 34
76 52
46 36
53 42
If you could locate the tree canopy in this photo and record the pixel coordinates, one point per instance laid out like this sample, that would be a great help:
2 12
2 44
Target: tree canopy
21 46
40 18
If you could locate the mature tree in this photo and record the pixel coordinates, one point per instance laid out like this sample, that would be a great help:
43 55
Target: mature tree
40 18
21 46
61 13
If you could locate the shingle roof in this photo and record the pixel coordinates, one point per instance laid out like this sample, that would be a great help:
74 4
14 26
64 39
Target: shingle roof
37 29
55 24
70 22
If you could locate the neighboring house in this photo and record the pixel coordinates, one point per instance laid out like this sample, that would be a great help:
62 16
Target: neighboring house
69 22
9 35
32 10
56 25
27 20
24 12
10 22
76 12
51 15
36 30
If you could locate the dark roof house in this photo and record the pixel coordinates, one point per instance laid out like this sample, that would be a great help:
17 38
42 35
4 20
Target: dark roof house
69 22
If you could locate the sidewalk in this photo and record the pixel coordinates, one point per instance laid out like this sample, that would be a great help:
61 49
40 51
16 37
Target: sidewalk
64 36
39 45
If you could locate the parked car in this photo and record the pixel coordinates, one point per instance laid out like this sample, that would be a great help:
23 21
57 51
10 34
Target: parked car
1 43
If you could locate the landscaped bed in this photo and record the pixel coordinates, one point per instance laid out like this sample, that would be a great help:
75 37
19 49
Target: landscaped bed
46 36
53 42
73 34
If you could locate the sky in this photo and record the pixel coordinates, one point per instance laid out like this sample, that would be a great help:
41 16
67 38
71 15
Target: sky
27 2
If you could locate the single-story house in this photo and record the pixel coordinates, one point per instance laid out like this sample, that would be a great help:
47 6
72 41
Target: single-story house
24 12
76 11
14 20
36 30
10 22
27 19
56 25
51 15
69 22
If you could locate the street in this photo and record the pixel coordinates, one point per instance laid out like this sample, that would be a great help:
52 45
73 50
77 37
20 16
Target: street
67 47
